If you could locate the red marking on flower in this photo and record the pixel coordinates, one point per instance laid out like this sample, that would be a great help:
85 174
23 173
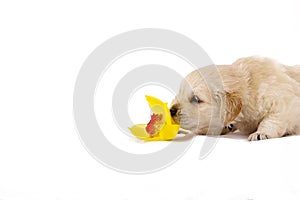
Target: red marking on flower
154 126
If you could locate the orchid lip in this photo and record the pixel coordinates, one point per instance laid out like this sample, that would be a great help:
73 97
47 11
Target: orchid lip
160 126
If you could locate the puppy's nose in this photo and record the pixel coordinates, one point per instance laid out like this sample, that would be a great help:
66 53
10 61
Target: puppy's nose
173 111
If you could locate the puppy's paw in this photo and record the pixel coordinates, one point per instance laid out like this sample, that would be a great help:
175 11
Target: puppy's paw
258 136
228 129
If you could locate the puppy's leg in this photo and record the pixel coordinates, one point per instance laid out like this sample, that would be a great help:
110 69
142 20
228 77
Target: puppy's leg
228 129
269 127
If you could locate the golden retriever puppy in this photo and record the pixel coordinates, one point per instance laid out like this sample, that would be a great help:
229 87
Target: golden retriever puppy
259 96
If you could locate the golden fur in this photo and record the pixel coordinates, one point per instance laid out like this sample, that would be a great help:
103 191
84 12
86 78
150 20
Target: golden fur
260 96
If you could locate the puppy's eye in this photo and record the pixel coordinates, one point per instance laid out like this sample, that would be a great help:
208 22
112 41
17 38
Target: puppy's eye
195 99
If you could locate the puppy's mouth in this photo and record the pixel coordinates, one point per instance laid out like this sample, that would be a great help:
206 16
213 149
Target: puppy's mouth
176 119
185 122
189 124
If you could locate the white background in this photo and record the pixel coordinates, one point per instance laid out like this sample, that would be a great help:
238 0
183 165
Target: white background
42 47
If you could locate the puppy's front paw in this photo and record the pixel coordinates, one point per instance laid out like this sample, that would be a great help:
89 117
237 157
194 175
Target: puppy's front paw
258 136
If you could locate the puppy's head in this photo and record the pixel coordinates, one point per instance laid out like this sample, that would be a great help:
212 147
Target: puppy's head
202 104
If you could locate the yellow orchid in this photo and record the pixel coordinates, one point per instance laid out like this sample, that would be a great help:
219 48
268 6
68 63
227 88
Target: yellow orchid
160 127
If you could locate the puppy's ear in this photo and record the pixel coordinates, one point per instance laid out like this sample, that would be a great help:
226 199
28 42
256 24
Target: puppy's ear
233 107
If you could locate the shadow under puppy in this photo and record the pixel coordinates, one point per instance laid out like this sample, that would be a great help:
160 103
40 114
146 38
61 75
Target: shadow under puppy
260 96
